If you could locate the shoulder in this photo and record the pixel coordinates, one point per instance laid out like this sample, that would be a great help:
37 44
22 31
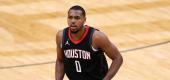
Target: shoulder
98 35
59 36
60 32
99 39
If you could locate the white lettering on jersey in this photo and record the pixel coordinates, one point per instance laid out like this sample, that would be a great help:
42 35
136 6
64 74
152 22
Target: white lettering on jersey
76 53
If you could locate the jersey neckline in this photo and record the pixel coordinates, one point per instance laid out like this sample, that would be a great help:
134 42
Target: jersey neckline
82 37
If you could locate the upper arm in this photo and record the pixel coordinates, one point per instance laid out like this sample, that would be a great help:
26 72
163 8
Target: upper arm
58 43
101 41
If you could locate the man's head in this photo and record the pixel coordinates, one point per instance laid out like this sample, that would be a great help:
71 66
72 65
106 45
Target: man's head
76 18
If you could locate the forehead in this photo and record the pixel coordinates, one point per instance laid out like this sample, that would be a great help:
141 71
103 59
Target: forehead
75 13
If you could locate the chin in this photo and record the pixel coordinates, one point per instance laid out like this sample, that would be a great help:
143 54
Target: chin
74 31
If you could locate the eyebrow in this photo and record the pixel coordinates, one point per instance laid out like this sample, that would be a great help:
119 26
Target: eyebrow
74 16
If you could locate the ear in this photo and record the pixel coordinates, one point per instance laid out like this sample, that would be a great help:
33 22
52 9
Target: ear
84 19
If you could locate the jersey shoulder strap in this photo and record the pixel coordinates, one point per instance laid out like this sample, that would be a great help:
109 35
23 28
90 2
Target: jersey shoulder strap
64 37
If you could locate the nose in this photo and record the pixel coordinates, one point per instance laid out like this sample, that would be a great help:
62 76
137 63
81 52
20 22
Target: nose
73 21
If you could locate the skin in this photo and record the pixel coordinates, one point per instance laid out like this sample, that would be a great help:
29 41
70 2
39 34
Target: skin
76 23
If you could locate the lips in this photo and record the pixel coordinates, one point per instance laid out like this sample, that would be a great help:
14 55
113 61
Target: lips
73 27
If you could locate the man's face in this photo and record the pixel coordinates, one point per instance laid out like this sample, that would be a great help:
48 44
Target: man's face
75 20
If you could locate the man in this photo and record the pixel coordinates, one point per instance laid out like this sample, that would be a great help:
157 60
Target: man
81 48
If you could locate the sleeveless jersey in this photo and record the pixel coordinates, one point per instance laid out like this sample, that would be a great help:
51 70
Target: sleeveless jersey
81 61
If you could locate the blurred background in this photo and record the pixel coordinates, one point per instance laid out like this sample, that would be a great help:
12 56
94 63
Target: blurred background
139 28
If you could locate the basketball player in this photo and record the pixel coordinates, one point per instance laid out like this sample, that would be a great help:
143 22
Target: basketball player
81 48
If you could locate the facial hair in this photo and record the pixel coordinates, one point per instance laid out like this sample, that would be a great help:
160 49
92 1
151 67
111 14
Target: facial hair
75 32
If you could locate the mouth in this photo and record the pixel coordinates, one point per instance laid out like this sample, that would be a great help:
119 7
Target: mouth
73 27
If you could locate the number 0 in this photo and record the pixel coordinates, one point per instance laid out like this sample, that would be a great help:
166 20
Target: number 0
78 66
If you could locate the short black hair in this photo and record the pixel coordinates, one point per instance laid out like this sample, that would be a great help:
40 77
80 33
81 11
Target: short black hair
77 7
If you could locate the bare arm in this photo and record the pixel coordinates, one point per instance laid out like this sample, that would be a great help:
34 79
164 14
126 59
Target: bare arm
59 67
101 41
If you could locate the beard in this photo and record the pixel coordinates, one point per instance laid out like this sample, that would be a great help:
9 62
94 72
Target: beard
76 31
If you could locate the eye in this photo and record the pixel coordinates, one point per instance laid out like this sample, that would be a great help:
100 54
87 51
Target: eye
77 17
70 17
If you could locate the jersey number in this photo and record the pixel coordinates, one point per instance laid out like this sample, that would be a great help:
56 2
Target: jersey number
78 66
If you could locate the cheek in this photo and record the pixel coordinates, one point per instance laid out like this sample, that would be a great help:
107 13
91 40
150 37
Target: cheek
81 22
68 21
